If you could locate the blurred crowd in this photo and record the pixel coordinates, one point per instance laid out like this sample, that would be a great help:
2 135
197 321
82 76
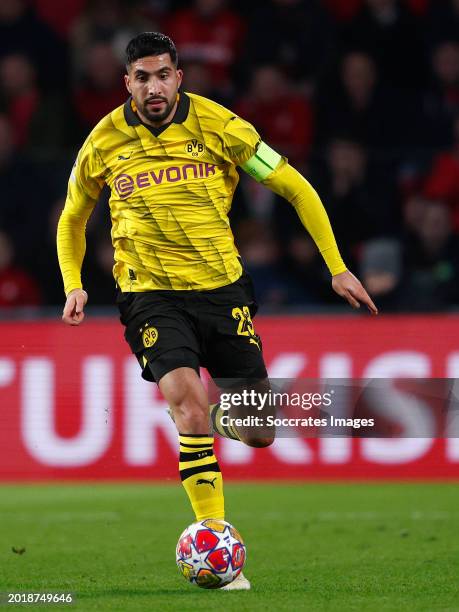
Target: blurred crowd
362 96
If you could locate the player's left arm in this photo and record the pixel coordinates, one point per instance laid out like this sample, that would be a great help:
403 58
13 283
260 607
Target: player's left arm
84 187
269 168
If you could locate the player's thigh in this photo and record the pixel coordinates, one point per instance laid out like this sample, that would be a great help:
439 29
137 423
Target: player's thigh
234 359
233 348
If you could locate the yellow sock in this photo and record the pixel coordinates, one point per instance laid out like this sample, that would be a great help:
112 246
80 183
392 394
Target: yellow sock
227 431
201 476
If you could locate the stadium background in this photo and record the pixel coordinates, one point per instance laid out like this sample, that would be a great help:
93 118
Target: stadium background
363 97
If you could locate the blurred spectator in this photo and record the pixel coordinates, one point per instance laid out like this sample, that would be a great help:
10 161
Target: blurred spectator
25 197
344 11
283 117
347 9
110 21
413 214
23 33
46 267
381 271
253 201
377 122
442 22
307 276
157 10
17 288
298 36
431 262
211 33
446 70
391 35
443 180
358 105
60 21
418 7
360 198
102 88
261 256
198 79
20 93
441 101
100 283
41 120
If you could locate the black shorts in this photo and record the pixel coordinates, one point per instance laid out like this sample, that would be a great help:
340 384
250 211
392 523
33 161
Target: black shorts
214 329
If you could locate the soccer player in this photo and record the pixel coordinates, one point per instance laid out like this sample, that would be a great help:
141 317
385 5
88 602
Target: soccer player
169 159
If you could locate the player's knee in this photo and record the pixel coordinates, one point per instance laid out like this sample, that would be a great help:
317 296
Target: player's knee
189 413
258 441
189 409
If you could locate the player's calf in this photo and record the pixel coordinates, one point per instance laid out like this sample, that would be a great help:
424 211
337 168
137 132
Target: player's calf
198 466
257 442
250 427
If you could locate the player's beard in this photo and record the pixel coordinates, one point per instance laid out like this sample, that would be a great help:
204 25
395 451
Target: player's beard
158 116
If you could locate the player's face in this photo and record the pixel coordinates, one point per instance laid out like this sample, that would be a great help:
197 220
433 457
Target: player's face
153 82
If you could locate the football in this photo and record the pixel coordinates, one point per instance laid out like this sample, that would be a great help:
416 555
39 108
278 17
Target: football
210 553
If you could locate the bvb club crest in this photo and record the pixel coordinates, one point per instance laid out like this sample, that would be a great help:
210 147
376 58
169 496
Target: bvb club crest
195 148
149 336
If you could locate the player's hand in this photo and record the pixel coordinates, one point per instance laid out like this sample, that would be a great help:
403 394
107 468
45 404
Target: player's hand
351 289
73 309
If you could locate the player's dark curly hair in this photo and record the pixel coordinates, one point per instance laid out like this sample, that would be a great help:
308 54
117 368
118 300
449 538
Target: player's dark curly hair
150 43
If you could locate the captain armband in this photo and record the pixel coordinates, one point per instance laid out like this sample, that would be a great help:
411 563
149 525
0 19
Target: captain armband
262 163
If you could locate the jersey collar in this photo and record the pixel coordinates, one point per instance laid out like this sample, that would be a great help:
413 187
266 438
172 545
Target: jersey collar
181 113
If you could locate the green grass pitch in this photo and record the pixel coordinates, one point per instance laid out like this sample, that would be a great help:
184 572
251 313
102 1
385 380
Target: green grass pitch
371 547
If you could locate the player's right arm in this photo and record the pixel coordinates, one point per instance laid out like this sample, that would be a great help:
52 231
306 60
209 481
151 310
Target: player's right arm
84 187
275 172
245 148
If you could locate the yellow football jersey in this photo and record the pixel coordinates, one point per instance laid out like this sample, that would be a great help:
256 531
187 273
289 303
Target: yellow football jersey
171 191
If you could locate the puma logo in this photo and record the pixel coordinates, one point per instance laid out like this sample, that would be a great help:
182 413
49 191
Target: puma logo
204 481
124 156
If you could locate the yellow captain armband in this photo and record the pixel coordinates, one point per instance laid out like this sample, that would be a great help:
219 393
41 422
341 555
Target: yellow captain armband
260 165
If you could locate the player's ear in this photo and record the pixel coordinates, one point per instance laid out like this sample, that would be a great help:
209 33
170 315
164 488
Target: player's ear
127 83
179 77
